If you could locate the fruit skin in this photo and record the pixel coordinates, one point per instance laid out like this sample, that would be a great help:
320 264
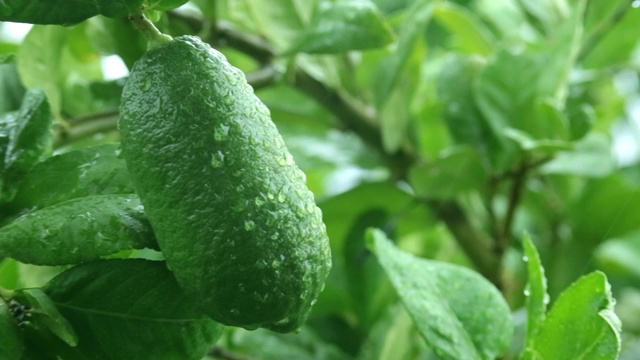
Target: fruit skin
231 211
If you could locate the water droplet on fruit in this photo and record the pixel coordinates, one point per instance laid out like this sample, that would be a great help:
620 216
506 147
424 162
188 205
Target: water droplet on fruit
270 195
282 196
221 133
231 77
249 225
310 207
280 161
217 159
262 108
146 85
229 100
275 263
240 188
525 258
259 202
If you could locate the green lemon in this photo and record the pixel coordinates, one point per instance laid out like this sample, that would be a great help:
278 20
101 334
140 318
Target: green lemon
232 213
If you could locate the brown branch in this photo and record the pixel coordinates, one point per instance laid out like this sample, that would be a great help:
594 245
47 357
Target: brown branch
475 243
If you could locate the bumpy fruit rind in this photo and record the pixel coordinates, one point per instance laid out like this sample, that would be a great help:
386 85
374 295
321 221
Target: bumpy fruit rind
233 216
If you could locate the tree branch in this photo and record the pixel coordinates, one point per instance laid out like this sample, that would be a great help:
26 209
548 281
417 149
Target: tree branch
475 243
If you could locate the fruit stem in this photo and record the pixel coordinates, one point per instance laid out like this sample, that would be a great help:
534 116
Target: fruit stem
149 30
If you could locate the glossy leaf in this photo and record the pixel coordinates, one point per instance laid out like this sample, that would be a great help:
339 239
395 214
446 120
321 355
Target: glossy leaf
44 314
460 314
131 309
340 26
64 12
536 291
28 138
457 171
77 230
584 314
83 172
10 336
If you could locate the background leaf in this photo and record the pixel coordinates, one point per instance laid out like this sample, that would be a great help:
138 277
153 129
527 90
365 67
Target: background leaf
340 26
28 139
459 313
131 309
11 89
458 171
78 230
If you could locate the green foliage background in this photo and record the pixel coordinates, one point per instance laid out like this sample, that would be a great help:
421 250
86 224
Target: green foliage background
455 127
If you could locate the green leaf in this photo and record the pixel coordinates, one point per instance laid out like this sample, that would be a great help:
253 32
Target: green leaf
268 345
536 291
591 157
340 26
83 172
584 314
77 230
392 66
376 205
528 144
455 172
506 92
460 314
393 337
64 12
28 138
11 89
131 309
616 45
40 61
45 314
280 22
461 114
619 257
471 34
116 36
10 336
164 5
